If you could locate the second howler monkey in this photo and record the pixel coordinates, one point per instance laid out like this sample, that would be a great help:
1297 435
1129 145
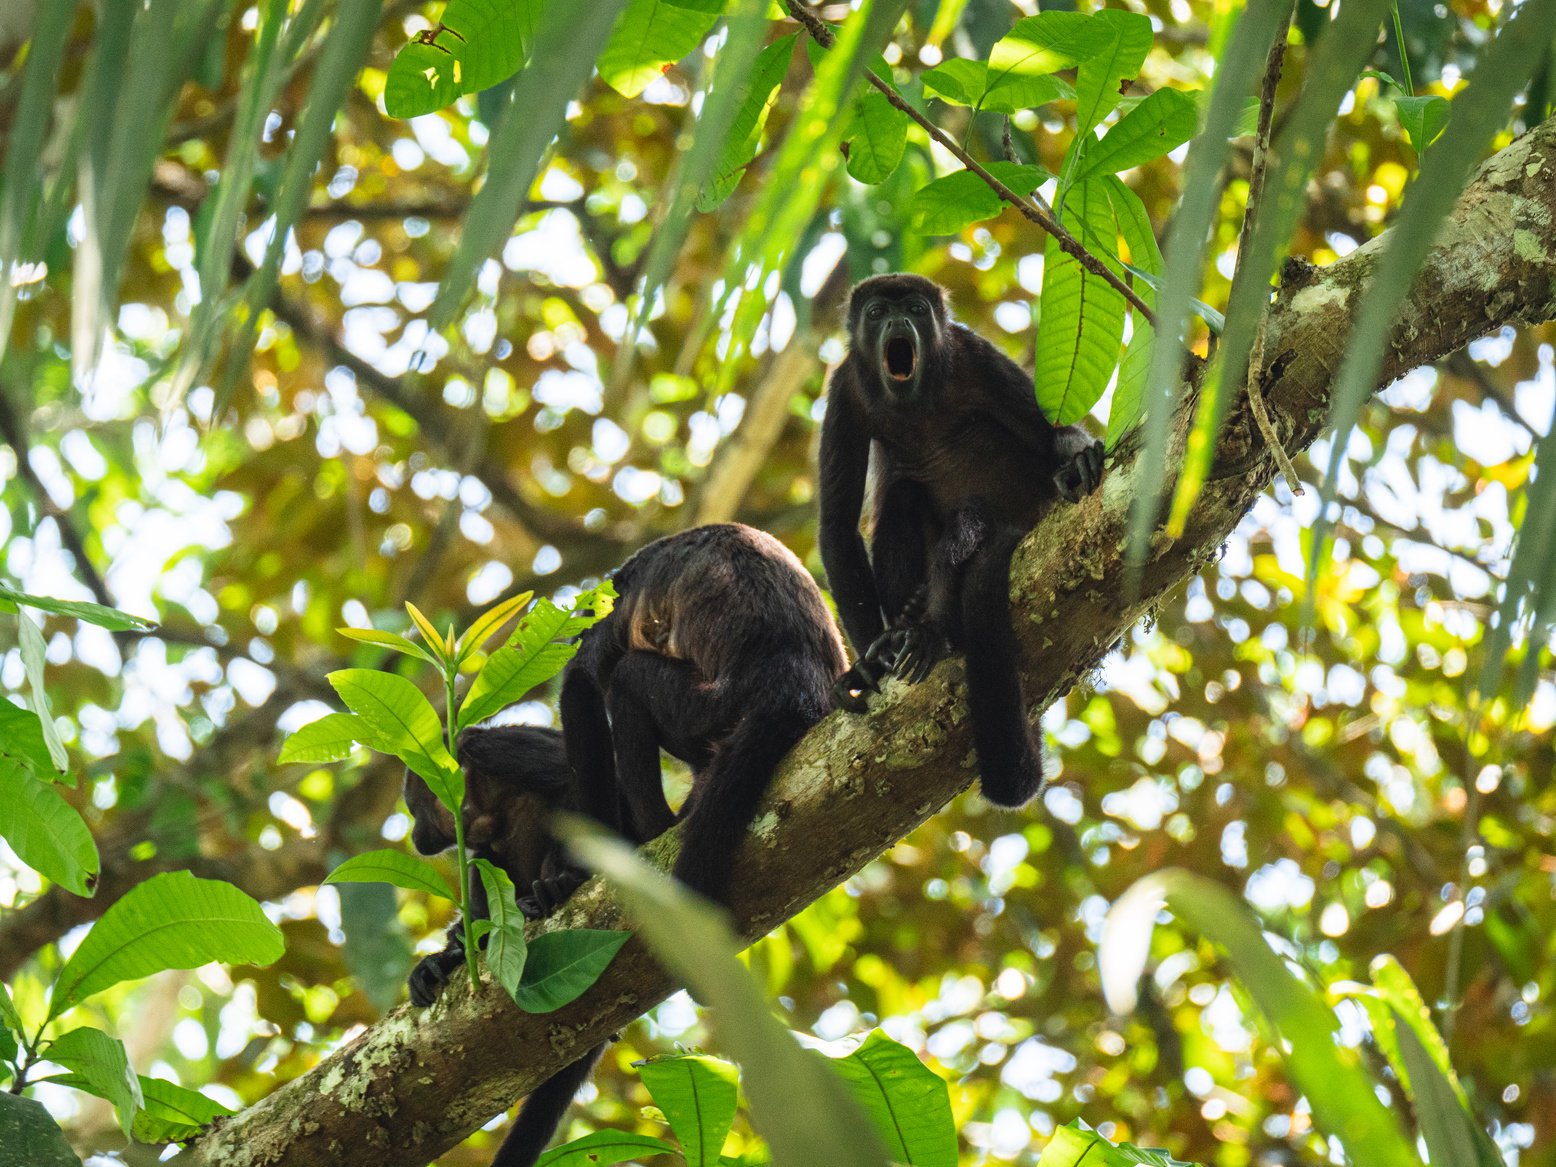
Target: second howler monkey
721 652
515 776
966 464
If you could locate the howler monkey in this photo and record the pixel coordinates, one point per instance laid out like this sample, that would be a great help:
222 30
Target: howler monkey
966 464
721 652
515 776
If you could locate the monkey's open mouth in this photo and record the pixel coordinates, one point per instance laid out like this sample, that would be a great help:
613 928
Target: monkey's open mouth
901 358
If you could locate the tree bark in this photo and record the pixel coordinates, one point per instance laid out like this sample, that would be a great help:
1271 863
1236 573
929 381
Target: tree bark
406 1090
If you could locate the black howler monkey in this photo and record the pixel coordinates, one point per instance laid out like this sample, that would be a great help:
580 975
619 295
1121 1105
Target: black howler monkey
966 464
721 652
515 776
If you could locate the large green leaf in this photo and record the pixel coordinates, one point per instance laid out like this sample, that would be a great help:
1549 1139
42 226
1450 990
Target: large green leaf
173 920
21 742
422 79
329 739
691 938
104 617
949 204
603 1148
478 43
173 1114
1422 119
401 722
29 1136
45 831
1073 1145
396 867
757 93
562 965
567 40
99 1065
879 137
34 660
506 952
908 1102
1332 1076
698 1095
1144 256
1162 122
1105 74
650 35
964 82
1082 324
1039 45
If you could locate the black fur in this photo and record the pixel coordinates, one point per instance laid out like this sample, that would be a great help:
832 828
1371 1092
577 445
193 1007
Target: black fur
515 776
966 464
721 652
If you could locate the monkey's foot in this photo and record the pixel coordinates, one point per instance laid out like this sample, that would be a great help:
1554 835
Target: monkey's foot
550 893
852 690
432 973
1081 474
922 647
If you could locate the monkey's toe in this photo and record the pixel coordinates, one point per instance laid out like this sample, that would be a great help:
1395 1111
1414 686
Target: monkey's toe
431 974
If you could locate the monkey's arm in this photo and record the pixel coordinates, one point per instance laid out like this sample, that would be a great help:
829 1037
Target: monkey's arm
845 456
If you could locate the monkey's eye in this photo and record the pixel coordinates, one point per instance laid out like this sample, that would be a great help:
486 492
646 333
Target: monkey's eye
918 307
876 310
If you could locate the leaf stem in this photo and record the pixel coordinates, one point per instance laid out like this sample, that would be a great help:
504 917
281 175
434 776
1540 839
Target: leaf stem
450 675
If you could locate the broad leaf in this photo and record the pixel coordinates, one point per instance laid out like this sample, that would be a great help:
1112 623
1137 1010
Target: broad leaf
963 82
950 204
33 652
329 739
104 617
697 1094
22 744
9 1017
489 621
1074 1145
45 831
1146 259
402 723
421 80
1162 122
650 35
1082 324
908 1102
1102 77
603 1148
506 952
173 1114
173 920
29 1136
99 1065
562 965
1039 45
880 135
396 867
1422 119
758 93
390 640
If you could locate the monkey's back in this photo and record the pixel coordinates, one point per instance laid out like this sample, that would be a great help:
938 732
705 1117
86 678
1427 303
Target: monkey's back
723 598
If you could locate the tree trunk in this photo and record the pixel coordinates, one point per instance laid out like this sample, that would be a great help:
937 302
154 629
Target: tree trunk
417 1083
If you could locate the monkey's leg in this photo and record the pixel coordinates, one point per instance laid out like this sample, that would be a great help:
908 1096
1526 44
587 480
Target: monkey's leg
899 547
1010 766
930 627
587 734
653 702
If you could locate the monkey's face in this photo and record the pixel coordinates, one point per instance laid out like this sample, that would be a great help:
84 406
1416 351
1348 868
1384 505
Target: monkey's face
897 329
432 826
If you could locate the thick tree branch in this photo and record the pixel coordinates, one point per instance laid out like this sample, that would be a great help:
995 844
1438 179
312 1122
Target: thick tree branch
418 1082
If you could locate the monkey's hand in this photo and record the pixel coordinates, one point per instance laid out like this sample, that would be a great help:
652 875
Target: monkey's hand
1079 476
432 972
852 690
550 892
922 648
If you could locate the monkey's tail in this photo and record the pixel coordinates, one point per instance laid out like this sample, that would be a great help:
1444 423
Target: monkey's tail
1010 763
543 1111
727 794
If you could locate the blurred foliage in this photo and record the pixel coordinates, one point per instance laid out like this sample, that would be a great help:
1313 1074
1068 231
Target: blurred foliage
1329 775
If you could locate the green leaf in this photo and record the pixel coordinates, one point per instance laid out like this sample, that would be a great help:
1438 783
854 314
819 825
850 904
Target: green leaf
1082 317
562 965
908 1102
950 204
33 652
650 35
1447 1127
29 1136
531 657
758 92
396 867
879 139
22 744
567 40
1162 122
172 1113
492 38
603 1148
1305 1029
1134 225
1103 76
690 937
506 952
46 832
9 1017
488 622
1074 1145
104 617
964 82
377 948
99 1065
959 81
1039 45
697 1094
329 739
173 920
390 640
402 723
1422 119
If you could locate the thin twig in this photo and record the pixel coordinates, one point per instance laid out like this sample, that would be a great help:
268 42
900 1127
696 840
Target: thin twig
1071 246
1261 155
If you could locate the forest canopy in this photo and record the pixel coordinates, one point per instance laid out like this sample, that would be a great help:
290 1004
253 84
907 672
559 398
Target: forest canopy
347 348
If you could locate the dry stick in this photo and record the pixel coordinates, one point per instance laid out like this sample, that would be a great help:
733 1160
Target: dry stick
1071 246
1261 154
